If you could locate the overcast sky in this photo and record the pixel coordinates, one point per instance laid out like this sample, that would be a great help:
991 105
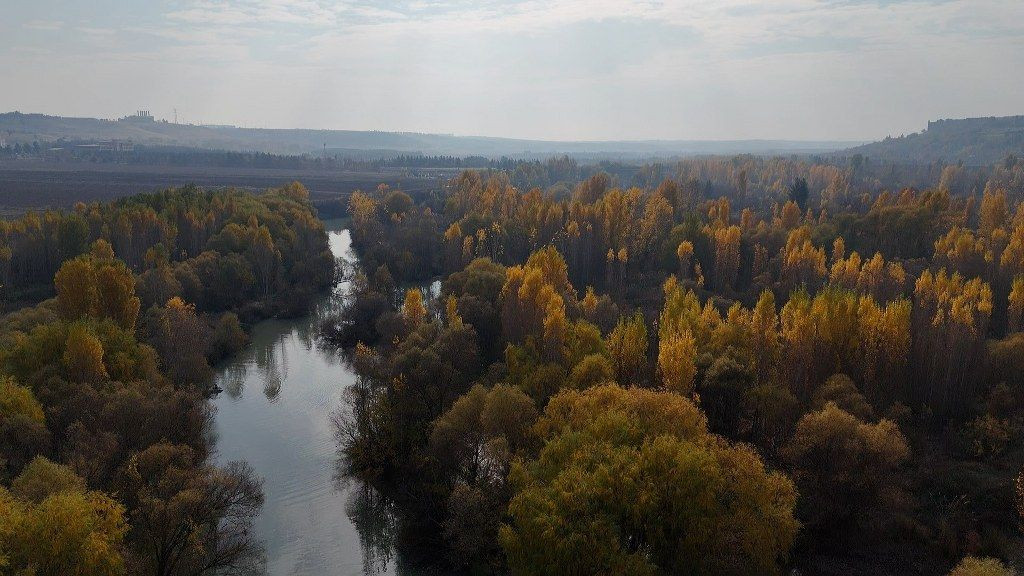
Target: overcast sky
550 69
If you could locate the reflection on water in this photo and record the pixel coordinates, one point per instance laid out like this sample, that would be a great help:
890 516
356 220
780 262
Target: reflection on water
275 413
374 518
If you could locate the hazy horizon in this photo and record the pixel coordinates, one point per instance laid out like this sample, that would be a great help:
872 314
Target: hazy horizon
561 71
215 124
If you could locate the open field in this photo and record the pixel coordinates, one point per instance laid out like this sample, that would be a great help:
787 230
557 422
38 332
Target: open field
32 185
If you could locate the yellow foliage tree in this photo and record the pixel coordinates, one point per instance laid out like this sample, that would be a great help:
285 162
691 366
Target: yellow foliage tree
83 355
63 529
18 400
677 362
727 256
1015 306
627 346
99 286
413 309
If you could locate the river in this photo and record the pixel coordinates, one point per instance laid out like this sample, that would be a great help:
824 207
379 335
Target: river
275 413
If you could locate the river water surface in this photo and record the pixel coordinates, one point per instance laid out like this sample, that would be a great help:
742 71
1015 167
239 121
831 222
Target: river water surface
275 413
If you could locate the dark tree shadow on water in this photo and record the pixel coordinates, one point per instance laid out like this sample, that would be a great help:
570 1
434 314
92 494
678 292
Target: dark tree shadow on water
374 517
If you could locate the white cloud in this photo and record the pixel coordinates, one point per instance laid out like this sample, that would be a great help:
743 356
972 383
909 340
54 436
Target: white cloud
556 69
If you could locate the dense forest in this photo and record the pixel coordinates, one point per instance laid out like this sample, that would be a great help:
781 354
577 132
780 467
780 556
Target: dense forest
719 366
727 365
104 423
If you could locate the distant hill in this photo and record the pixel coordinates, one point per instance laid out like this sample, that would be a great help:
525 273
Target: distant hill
19 127
974 141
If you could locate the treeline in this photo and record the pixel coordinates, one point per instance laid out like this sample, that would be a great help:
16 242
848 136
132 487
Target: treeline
104 425
256 255
805 370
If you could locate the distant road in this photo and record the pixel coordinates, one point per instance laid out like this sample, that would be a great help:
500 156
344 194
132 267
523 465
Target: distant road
36 185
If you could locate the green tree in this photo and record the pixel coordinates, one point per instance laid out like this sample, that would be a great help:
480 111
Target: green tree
476 440
799 193
630 482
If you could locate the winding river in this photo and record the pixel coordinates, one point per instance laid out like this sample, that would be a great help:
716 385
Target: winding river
275 413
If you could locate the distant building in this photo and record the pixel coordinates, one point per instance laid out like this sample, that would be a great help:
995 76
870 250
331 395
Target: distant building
108 146
139 116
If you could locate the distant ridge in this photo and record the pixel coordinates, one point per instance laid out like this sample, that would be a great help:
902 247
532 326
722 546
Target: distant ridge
973 141
19 127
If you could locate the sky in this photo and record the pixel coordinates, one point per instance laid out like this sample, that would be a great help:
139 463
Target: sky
540 69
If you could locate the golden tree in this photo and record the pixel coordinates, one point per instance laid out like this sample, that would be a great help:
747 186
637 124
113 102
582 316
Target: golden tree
413 309
627 346
83 355
677 362
1015 306
727 257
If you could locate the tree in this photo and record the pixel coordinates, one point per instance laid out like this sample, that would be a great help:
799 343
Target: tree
950 320
592 370
76 288
684 252
971 566
764 335
397 203
158 285
482 430
790 216
476 441
83 355
115 294
191 518
803 263
627 347
264 258
413 309
18 401
994 212
772 411
534 292
727 257
840 390
677 356
59 528
722 390
883 342
471 528
99 286
21 439
1015 306
227 338
181 339
296 191
845 468
630 482
799 192
42 478
478 289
